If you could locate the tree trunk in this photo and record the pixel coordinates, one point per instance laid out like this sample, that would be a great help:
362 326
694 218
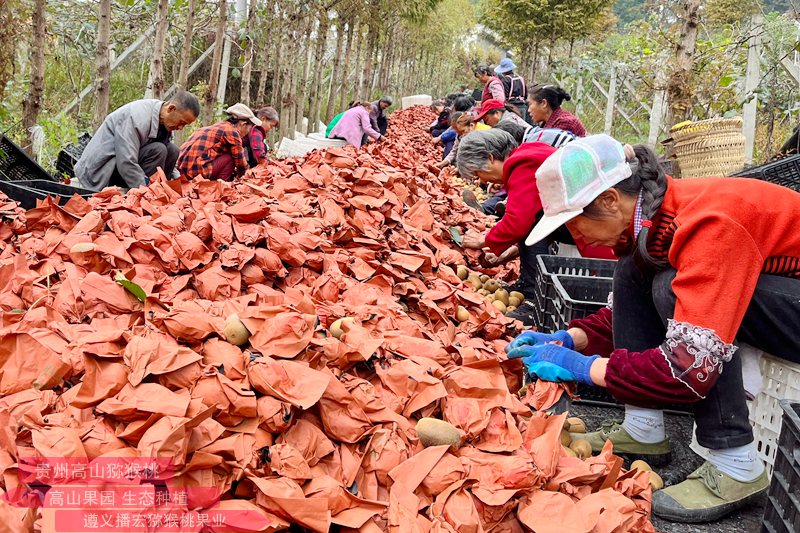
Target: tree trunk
33 101
277 69
213 78
249 54
288 72
103 68
336 71
679 88
186 50
372 39
266 55
352 27
155 79
302 83
9 28
319 55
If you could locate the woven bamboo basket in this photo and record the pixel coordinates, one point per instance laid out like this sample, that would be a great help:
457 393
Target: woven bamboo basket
713 147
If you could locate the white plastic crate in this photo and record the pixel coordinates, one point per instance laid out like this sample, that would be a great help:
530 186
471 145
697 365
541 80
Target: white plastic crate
417 99
781 382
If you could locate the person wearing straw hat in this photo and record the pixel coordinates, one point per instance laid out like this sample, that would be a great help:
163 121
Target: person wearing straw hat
217 152
704 263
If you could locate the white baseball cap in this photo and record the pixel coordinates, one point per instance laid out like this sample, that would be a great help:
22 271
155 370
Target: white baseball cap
243 112
573 176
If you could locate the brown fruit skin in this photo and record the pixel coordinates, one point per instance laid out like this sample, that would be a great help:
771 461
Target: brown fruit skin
566 425
462 272
576 425
336 328
516 294
500 306
656 483
435 432
484 278
566 439
582 448
513 301
641 465
510 308
570 451
235 331
502 295
491 285
462 315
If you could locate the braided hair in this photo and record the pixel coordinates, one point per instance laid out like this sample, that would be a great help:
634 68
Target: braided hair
648 178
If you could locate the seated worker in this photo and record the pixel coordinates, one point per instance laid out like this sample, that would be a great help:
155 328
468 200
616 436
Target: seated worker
256 144
355 127
494 111
703 263
377 114
134 141
335 120
461 124
544 107
442 121
216 152
492 156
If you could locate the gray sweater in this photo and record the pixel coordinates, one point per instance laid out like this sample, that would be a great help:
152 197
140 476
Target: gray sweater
117 144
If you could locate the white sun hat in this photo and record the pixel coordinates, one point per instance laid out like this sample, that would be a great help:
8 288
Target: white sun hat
573 177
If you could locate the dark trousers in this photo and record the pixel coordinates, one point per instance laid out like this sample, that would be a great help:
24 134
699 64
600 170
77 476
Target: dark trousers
222 168
643 302
151 157
383 125
529 266
489 205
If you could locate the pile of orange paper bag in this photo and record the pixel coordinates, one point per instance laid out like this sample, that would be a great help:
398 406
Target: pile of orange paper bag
111 348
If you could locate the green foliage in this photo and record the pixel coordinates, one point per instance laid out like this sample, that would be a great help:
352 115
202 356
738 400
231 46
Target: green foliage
722 12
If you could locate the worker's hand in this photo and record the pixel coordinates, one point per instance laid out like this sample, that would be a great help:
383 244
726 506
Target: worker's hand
534 338
550 372
437 140
473 240
494 260
574 363
441 164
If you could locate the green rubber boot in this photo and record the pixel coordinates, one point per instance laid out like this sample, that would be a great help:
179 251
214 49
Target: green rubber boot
656 454
707 495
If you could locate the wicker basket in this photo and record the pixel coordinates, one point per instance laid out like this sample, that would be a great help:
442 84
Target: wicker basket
713 147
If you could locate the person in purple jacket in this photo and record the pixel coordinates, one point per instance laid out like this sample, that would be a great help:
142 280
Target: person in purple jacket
355 127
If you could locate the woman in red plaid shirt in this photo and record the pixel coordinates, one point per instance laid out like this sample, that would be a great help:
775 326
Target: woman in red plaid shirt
216 152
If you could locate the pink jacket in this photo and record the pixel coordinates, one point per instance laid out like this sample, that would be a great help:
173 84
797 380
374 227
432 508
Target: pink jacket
353 125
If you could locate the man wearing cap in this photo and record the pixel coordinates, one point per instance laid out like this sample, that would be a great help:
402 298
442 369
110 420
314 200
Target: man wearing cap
217 152
377 114
134 141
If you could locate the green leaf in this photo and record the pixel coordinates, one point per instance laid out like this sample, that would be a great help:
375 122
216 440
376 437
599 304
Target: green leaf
456 235
130 286
236 73
726 80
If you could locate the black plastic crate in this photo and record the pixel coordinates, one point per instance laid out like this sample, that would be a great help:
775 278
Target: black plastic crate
550 265
26 193
782 513
578 297
785 172
16 165
65 164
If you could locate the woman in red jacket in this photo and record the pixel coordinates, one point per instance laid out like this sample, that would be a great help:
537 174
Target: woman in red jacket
703 262
492 156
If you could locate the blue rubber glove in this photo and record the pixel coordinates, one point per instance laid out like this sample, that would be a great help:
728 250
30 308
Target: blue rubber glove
533 338
576 363
550 372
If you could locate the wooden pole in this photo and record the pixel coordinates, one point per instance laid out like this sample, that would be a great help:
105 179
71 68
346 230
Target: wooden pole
753 74
612 97
657 113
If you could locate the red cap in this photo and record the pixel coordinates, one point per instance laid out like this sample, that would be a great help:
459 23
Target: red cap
489 105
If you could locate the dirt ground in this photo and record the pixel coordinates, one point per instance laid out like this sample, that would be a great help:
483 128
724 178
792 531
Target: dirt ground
683 462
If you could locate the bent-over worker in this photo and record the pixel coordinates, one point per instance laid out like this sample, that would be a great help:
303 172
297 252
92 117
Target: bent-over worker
217 152
134 141
704 263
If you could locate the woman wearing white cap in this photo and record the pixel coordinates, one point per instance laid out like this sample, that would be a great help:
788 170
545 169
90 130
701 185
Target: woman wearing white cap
703 262
217 152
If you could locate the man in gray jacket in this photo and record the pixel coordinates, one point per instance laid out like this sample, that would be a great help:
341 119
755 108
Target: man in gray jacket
134 141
